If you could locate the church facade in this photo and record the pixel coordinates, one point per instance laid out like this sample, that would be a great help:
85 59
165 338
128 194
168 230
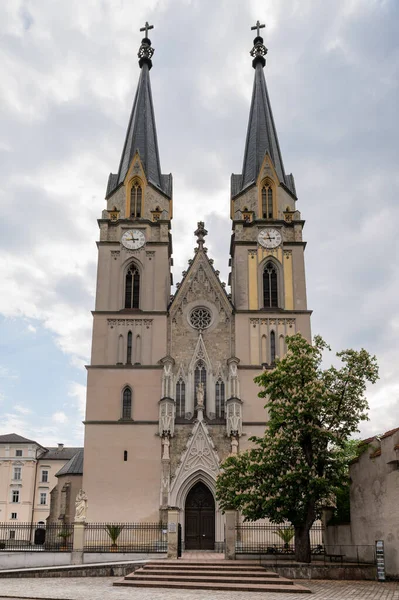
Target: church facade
170 389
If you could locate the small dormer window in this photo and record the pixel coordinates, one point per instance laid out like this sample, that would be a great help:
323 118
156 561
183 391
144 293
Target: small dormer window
136 197
267 201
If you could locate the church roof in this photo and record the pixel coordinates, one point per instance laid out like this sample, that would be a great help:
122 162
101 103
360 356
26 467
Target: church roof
74 466
261 133
60 453
141 135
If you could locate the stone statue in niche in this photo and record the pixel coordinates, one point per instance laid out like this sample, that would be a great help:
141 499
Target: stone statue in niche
167 380
81 507
165 447
200 395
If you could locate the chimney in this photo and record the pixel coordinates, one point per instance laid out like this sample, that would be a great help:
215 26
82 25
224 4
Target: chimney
60 446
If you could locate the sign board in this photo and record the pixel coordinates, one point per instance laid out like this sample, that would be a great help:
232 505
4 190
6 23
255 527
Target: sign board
172 527
380 556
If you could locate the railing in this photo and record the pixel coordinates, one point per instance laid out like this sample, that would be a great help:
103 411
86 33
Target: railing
22 537
126 537
256 538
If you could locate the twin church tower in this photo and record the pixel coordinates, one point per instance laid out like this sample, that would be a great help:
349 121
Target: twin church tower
170 389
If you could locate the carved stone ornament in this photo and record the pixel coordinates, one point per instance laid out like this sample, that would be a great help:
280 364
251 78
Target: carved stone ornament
200 454
166 417
234 418
130 322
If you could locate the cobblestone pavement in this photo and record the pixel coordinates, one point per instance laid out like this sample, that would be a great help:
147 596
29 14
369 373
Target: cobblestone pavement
100 588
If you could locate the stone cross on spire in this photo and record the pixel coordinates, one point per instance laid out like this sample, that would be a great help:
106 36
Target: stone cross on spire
259 50
257 27
147 26
146 52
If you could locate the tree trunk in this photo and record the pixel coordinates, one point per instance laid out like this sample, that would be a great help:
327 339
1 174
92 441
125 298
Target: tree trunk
302 544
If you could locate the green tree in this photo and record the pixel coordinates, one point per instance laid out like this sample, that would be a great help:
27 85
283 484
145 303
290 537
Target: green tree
302 457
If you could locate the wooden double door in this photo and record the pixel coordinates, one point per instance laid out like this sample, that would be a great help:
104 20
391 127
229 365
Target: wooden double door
200 519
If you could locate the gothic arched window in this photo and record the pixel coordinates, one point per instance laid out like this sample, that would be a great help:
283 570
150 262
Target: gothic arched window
267 201
127 403
136 195
200 377
270 287
180 398
132 287
219 399
272 347
129 348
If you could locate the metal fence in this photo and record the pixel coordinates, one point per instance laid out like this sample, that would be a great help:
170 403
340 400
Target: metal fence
22 537
256 538
126 537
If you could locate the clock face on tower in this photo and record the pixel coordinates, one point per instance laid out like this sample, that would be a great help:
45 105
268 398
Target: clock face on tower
269 238
133 239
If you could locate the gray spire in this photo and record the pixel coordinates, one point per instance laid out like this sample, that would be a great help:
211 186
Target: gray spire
141 135
261 132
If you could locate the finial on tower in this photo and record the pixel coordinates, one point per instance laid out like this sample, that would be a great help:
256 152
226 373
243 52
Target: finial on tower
145 52
259 50
200 232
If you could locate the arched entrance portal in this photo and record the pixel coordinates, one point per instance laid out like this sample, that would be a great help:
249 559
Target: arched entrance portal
200 518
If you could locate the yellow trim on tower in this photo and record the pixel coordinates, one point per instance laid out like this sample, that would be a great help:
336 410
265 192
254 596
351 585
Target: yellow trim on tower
288 281
253 301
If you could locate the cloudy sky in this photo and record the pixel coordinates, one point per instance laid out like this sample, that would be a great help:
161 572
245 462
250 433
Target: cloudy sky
68 73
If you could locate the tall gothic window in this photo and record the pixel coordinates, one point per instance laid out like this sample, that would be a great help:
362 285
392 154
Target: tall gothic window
132 287
180 398
200 377
129 348
267 201
270 288
136 194
219 399
272 347
127 403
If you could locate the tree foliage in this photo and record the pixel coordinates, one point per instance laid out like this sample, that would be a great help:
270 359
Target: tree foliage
302 457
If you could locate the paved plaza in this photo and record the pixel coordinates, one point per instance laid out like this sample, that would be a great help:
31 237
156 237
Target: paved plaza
100 588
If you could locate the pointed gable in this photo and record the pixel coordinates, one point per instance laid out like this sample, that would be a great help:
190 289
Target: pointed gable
200 455
201 282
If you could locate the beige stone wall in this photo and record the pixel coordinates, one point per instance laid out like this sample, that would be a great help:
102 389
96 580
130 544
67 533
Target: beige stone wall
104 393
374 498
110 333
121 490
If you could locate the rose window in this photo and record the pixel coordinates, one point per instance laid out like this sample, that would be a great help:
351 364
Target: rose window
200 318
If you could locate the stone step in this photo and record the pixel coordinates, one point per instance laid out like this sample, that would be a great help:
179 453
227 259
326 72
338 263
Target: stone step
210 572
189 564
207 578
237 587
220 569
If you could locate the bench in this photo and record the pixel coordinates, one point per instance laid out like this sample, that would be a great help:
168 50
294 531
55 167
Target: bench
334 557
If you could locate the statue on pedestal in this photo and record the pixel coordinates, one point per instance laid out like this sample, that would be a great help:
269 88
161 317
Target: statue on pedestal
81 507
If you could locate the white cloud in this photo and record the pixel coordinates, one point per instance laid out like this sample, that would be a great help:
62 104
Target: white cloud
31 329
60 417
6 373
78 391
23 410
